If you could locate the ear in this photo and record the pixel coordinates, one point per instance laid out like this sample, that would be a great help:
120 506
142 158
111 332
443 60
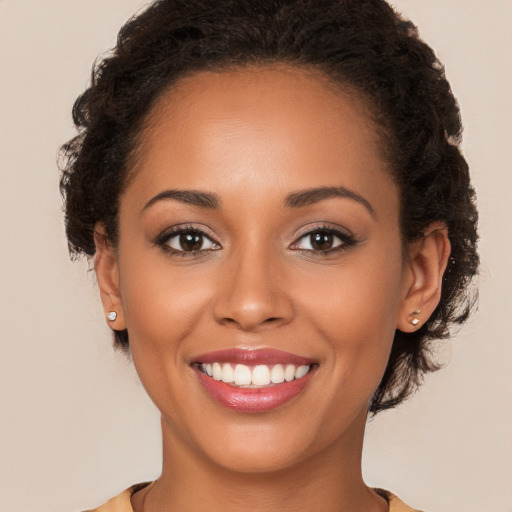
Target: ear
427 259
107 274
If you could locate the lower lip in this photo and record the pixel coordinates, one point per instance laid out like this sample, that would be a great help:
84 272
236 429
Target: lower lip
253 399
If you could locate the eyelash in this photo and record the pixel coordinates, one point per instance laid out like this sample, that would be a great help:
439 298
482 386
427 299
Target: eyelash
164 238
347 240
344 236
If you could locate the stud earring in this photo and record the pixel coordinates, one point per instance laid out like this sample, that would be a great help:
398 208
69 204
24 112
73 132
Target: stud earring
111 316
415 321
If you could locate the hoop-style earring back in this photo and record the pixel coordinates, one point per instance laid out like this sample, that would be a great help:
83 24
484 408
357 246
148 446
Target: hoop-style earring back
111 316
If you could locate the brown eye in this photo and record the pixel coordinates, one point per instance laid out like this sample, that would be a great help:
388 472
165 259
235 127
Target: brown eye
190 241
324 240
321 241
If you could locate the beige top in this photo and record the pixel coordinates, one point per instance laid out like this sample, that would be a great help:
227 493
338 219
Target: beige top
122 503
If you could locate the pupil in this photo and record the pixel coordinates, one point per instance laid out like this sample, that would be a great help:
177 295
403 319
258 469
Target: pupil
191 241
321 241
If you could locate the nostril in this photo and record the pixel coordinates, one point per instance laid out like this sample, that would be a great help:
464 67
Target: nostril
249 307
247 324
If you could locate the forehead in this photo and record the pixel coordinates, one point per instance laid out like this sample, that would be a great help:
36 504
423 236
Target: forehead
272 128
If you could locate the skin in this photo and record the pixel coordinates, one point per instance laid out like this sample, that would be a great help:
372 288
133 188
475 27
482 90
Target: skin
252 137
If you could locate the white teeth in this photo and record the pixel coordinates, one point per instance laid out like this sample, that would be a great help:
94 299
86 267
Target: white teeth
228 375
289 372
259 375
242 375
217 371
277 374
301 371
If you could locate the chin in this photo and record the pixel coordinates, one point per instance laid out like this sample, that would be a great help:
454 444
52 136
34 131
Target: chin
260 457
260 443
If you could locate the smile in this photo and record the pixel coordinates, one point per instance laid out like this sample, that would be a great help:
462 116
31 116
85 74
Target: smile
257 376
253 380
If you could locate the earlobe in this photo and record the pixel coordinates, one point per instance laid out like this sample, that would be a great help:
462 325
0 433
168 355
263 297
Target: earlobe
107 274
426 264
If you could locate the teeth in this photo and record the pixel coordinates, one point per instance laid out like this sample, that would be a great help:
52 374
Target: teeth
242 375
277 374
259 375
289 372
228 375
217 371
301 371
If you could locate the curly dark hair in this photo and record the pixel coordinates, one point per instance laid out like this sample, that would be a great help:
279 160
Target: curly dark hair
363 44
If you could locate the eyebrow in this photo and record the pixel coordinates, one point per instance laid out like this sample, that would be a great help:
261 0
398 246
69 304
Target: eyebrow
193 197
315 195
295 200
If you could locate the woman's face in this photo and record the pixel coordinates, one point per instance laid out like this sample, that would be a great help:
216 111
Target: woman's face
260 235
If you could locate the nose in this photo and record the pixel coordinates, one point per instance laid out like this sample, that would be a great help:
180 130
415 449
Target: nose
252 295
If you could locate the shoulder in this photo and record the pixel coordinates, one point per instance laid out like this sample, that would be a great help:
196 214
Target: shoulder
395 503
122 502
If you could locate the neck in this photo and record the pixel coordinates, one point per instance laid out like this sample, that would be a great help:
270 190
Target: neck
329 480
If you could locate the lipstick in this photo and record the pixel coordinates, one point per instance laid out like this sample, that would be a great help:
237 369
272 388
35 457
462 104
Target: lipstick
253 380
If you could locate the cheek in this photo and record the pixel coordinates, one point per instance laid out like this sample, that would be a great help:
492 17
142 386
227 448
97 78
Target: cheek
162 308
355 308
161 304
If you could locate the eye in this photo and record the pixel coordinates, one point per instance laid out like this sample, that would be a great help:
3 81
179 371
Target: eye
324 240
187 240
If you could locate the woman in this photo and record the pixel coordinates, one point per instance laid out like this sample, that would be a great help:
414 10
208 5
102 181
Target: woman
281 221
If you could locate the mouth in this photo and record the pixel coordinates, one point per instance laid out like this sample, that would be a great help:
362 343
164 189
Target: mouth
253 380
254 377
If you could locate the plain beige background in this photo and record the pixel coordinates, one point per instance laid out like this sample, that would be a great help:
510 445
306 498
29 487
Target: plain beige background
76 426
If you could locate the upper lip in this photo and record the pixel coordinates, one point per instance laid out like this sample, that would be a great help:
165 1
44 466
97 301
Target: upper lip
252 356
